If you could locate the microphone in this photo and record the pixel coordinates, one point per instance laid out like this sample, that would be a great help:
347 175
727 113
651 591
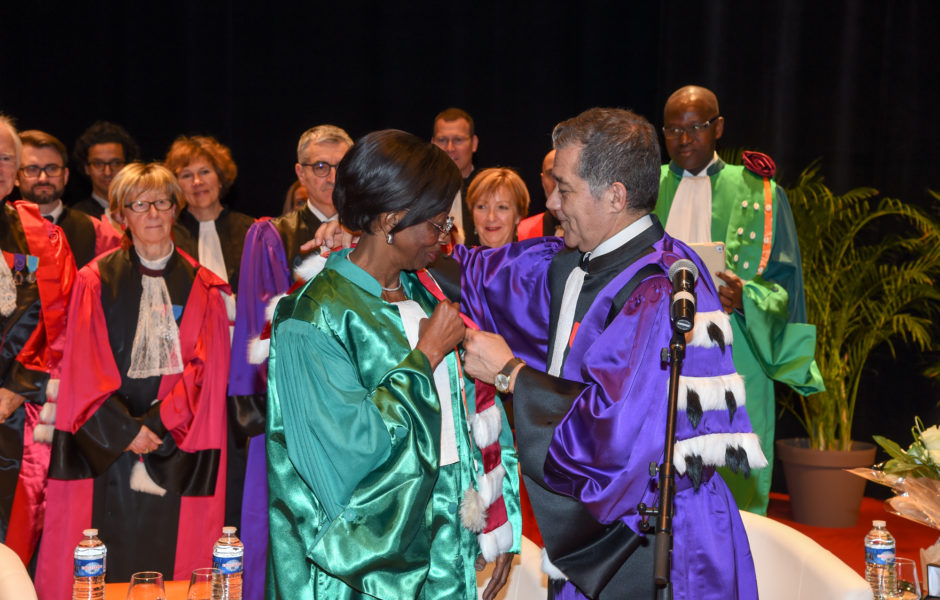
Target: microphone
682 274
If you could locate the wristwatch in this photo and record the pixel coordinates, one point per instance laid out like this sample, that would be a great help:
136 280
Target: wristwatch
503 377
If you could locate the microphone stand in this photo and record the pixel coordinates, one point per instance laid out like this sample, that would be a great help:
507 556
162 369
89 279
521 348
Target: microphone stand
662 549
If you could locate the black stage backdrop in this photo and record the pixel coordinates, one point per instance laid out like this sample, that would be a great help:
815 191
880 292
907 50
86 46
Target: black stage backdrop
851 82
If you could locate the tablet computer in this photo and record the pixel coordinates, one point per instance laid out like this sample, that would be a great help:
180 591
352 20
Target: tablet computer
713 255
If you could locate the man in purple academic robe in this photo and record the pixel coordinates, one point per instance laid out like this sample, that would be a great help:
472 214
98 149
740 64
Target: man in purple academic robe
271 262
579 326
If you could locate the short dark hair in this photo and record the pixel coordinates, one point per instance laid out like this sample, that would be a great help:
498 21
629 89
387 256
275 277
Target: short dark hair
453 114
391 170
104 132
617 145
41 139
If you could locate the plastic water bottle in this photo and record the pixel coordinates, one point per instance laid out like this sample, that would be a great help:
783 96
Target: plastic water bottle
91 557
879 561
227 556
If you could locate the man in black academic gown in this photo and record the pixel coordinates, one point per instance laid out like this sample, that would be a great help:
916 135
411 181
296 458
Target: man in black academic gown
42 178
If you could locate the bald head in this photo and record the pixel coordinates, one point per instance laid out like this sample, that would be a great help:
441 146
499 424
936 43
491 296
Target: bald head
703 97
692 126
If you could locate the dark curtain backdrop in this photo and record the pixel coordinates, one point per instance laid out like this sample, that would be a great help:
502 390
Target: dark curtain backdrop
851 82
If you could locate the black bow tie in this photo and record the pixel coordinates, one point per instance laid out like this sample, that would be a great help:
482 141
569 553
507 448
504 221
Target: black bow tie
49 218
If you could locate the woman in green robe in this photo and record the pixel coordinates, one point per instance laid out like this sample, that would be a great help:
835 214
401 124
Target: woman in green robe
377 485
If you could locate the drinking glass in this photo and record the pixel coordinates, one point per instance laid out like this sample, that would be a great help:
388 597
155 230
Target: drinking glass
907 581
146 585
205 584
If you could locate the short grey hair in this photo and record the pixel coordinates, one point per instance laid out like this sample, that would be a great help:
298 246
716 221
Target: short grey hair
616 145
330 134
7 122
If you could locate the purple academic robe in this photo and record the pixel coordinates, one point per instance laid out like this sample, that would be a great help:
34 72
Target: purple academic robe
263 276
586 439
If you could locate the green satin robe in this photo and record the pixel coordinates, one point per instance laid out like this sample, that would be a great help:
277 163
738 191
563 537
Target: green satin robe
358 504
772 341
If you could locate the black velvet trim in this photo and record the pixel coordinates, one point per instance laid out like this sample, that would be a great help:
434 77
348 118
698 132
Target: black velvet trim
97 444
446 272
11 459
247 416
153 422
540 402
715 334
587 551
26 382
296 229
16 331
693 407
184 473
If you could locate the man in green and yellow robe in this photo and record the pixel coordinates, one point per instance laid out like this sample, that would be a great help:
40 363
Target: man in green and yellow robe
702 199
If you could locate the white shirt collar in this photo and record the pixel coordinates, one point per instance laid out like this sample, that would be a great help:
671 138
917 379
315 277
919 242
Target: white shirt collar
622 237
56 212
102 201
319 214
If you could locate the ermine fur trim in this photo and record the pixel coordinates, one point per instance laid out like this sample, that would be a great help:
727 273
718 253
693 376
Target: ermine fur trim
711 390
52 390
472 510
700 335
711 448
486 426
491 484
551 570
496 542
258 350
42 433
309 268
47 413
230 305
270 306
142 482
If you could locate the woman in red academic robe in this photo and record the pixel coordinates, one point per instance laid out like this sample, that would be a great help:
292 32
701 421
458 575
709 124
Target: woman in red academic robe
141 424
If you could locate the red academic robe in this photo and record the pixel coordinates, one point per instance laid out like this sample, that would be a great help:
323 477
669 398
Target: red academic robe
192 409
35 362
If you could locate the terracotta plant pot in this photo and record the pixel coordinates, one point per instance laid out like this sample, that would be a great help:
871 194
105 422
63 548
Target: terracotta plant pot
821 493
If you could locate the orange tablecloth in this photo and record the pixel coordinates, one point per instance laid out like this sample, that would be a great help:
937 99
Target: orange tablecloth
175 590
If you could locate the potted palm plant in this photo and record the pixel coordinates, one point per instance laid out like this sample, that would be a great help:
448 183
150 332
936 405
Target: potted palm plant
870 273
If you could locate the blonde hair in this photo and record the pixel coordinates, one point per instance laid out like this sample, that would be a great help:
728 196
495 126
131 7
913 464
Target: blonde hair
490 180
138 178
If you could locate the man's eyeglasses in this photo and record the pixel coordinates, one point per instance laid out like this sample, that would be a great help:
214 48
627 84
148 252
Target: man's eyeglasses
445 228
142 206
458 140
692 130
33 171
320 168
116 164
